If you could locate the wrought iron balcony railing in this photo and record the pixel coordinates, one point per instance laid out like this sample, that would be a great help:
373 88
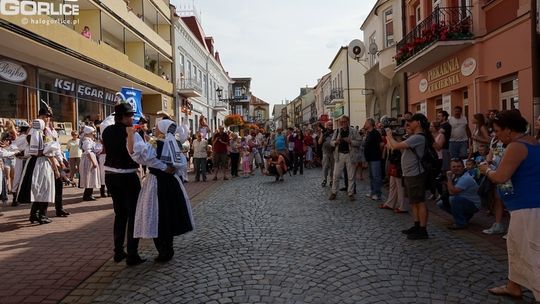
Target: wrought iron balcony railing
190 84
444 24
334 94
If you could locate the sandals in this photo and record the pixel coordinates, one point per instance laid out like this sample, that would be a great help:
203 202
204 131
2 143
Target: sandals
503 291
383 206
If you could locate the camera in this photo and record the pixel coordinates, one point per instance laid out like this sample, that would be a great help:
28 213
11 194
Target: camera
394 124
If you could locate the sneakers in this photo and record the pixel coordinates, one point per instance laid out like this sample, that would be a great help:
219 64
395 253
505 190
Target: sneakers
323 183
332 196
505 236
375 197
496 228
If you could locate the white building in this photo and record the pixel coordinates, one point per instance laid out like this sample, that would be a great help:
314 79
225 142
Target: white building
347 94
198 74
382 29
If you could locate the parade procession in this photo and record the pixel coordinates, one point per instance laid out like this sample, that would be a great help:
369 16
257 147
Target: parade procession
175 151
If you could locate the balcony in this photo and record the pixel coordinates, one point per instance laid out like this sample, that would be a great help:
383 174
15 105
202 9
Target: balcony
220 106
336 96
189 87
446 31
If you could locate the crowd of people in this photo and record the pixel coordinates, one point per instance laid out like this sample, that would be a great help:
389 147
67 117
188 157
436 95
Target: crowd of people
491 166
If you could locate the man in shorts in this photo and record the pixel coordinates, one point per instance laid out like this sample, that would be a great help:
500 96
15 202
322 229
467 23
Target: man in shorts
220 144
414 177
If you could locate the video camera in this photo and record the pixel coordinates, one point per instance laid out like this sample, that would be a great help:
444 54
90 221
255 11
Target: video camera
394 124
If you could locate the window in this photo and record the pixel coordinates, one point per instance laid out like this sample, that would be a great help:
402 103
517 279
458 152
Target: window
188 72
237 92
418 14
372 57
181 64
395 104
438 105
388 28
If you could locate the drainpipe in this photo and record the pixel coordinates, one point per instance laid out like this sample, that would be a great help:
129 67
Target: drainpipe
404 33
176 111
348 88
535 52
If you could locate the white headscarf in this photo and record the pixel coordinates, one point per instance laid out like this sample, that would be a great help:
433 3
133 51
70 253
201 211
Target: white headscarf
109 121
171 152
182 133
88 130
36 137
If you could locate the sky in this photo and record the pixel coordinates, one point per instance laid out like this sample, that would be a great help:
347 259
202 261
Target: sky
282 45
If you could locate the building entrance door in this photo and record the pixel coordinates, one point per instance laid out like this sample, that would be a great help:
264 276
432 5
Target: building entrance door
509 94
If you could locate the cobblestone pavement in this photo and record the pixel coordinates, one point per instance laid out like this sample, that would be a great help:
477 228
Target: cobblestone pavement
44 263
257 241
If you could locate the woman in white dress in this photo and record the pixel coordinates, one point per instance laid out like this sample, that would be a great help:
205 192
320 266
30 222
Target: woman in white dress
37 183
89 169
163 207
20 145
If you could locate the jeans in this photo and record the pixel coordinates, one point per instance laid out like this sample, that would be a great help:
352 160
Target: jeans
458 149
462 210
375 177
200 168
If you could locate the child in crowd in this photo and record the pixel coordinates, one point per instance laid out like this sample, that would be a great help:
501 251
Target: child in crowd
246 161
472 169
483 151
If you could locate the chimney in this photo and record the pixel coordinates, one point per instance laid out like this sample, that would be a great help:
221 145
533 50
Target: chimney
217 57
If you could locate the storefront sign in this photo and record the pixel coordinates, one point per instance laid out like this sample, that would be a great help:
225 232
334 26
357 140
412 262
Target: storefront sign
165 104
34 8
12 71
423 85
84 90
444 75
468 66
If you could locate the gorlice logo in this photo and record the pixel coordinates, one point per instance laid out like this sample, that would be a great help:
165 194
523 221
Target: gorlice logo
35 8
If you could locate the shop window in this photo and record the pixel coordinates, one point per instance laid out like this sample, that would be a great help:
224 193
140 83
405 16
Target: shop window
438 105
509 93
13 100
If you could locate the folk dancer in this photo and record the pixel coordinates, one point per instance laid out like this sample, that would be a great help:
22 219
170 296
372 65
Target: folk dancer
37 183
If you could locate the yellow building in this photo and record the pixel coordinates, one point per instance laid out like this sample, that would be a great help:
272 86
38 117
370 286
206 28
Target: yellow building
77 71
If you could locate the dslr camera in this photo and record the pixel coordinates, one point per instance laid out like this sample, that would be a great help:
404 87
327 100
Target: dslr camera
394 124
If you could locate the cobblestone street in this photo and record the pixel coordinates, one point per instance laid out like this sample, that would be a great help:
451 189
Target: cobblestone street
257 241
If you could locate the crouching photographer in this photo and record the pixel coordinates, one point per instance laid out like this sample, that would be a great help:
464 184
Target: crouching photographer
277 165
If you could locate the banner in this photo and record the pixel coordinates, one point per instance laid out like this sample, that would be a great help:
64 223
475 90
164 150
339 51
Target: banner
133 97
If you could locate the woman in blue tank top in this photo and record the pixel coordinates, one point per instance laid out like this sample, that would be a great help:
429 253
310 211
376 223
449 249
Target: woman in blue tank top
521 166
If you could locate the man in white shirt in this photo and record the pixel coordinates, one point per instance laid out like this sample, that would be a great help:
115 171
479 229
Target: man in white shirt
200 148
460 138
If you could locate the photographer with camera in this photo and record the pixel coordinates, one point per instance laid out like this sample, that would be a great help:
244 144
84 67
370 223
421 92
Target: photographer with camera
414 175
346 143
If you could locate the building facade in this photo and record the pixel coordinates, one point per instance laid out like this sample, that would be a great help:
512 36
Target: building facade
259 112
199 73
385 89
125 45
321 91
469 53
347 93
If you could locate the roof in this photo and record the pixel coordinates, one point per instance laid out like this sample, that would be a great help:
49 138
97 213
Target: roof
337 55
373 12
196 29
278 108
257 101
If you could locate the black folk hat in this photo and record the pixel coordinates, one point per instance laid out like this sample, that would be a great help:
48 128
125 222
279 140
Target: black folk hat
122 109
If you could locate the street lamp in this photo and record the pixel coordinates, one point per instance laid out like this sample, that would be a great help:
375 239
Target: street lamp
231 101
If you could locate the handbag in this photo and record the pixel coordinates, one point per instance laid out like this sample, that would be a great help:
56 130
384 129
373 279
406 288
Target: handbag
393 170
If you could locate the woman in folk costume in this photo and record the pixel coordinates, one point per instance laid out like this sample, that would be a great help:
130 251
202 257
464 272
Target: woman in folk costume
4 154
37 183
89 168
163 207
20 145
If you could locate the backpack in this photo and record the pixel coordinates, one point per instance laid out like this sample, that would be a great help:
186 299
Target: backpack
429 160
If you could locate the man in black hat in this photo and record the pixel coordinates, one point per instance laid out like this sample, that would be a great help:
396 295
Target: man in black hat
123 183
45 113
